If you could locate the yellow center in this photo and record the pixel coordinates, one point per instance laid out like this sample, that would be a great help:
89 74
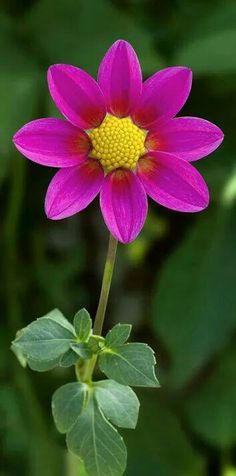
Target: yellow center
117 142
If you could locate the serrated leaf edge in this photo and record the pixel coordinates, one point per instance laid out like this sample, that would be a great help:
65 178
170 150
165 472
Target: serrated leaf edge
107 418
109 350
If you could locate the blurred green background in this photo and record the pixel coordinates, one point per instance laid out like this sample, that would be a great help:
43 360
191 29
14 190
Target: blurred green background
176 283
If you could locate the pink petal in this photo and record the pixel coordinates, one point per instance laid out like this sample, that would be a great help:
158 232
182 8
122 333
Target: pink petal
73 189
52 142
163 95
77 95
120 78
173 182
123 203
189 138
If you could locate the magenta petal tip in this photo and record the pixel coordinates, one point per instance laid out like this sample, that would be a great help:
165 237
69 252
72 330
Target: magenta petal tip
189 138
73 189
123 202
173 183
52 142
77 95
163 96
120 78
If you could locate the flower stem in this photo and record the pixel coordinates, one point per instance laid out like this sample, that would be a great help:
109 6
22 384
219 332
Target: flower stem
106 284
102 305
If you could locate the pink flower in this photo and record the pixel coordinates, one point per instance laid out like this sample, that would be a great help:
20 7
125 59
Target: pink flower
120 139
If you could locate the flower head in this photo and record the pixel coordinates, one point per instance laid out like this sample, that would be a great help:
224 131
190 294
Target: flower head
120 138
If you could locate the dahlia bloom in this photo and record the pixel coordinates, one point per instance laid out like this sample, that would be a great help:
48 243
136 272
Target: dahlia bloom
120 138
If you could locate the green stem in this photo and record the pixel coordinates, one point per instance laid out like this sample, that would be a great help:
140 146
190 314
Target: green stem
102 305
106 284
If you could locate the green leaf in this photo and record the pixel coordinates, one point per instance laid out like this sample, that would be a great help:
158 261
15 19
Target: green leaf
67 404
211 411
44 366
89 435
73 24
97 443
118 402
119 334
57 316
213 53
69 358
47 338
96 343
130 364
82 349
195 293
82 325
19 355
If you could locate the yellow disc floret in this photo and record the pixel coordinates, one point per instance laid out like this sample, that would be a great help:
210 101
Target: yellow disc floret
117 142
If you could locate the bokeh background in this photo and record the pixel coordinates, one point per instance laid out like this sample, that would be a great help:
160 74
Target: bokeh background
176 283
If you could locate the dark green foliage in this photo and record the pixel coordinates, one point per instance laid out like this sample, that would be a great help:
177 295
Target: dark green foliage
86 410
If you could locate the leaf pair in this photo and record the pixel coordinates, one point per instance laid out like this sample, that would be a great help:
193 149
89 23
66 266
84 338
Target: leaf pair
86 411
129 364
86 414
51 340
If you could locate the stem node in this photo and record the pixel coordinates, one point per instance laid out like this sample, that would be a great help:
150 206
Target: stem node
102 305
